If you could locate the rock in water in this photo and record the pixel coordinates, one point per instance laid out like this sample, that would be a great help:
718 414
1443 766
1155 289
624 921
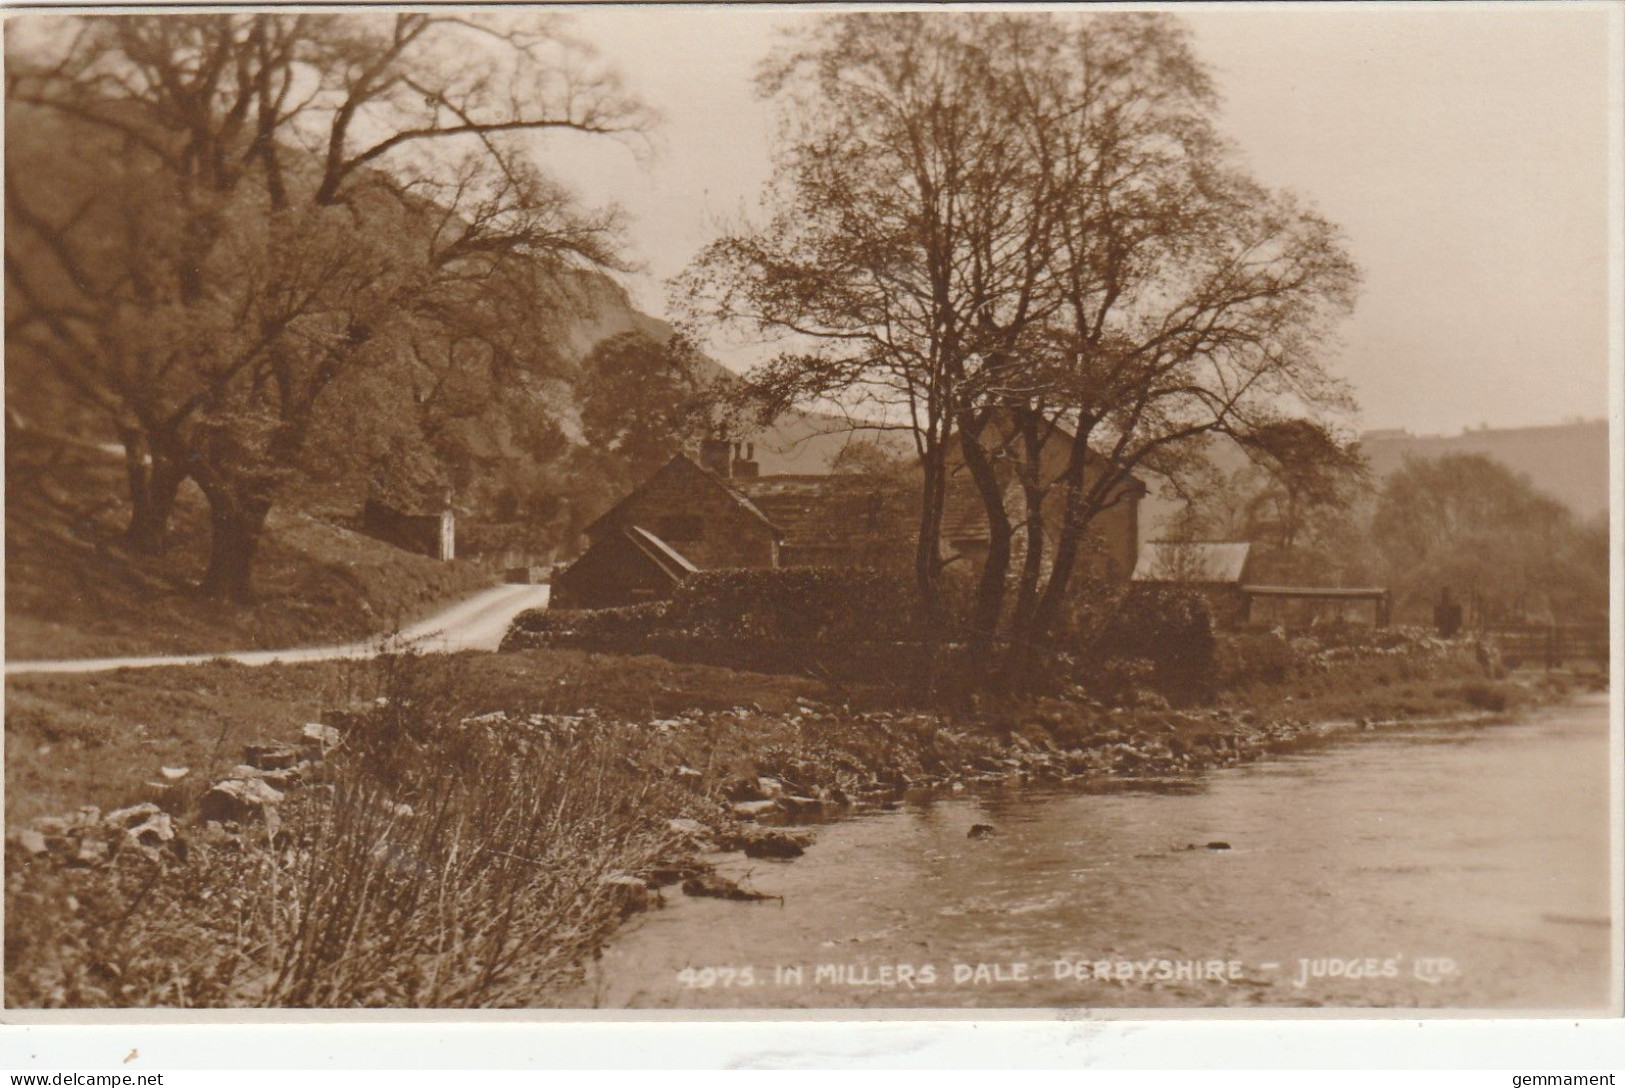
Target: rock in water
982 831
801 805
674 872
1218 846
632 893
772 845
720 887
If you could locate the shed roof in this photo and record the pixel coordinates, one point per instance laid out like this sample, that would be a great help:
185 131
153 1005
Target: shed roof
671 562
1318 593
1212 562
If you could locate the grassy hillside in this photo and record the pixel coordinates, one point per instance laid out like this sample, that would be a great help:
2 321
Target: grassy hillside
73 591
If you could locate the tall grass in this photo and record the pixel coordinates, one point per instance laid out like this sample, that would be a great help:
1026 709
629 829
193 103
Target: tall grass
439 860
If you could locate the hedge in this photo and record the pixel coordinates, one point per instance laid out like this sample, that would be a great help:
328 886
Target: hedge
547 626
817 604
853 623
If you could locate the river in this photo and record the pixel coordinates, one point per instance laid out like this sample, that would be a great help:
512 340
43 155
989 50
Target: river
1440 865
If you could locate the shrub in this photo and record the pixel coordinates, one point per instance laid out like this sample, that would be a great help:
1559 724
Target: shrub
1120 679
1484 696
835 604
846 622
1170 627
459 860
1090 608
1244 659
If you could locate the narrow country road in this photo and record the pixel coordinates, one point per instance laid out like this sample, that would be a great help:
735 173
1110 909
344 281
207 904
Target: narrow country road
477 623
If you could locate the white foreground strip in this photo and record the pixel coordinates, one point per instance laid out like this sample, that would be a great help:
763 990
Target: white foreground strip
477 623
892 1072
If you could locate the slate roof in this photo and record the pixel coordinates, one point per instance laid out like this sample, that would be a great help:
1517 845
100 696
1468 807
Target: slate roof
679 463
831 511
1209 562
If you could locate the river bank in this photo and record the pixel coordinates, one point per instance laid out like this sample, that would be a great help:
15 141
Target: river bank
509 811
1402 868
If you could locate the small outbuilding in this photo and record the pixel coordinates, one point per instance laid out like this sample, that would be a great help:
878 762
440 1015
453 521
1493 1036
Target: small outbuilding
1215 568
428 532
1221 571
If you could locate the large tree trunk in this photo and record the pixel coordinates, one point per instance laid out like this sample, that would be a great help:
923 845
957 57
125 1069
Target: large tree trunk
928 565
1084 503
154 482
1034 493
1027 642
235 528
988 607
1081 503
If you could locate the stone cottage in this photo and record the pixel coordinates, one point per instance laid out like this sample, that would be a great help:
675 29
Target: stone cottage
719 511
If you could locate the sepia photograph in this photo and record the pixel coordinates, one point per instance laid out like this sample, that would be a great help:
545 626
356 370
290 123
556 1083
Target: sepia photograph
759 510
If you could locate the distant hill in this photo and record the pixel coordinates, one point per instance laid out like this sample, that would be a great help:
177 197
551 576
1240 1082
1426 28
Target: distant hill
807 444
604 309
1568 461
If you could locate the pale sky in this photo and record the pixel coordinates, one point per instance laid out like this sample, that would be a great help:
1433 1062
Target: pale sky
1464 150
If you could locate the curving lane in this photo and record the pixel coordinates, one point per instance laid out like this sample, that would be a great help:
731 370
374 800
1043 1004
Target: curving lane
477 623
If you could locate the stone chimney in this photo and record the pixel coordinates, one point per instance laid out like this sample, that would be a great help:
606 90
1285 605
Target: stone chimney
716 455
744 463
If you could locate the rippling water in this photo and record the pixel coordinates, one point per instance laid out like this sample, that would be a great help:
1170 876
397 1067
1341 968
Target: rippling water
1438 866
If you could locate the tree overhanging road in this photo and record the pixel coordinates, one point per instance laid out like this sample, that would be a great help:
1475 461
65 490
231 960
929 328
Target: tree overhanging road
477 623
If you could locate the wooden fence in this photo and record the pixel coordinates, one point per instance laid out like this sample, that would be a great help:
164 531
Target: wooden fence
1550 644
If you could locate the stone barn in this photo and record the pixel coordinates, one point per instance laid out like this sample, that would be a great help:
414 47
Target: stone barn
683 518
719 512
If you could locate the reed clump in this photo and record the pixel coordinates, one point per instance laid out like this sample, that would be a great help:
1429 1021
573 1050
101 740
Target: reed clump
436 858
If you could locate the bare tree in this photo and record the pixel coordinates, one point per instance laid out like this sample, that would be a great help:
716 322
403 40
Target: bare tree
1025 231
901 249
293 198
